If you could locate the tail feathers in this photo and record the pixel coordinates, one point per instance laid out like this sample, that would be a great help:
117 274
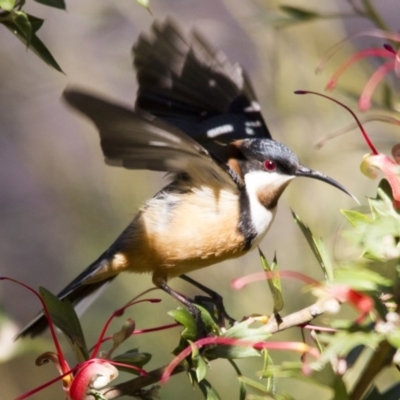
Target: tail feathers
81 295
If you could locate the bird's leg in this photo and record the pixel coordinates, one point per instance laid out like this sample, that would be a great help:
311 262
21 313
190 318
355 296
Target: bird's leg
200 327
216 298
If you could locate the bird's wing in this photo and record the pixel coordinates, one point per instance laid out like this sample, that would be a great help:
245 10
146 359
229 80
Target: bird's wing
185 81
138 140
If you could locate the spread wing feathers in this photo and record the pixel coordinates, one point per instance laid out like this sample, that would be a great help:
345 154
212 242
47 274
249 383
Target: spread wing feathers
182 77
185 67
137 140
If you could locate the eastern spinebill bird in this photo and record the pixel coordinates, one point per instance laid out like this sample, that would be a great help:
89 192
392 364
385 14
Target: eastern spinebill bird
196 117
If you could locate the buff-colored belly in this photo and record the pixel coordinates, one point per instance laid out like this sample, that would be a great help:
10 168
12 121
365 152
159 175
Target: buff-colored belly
195 230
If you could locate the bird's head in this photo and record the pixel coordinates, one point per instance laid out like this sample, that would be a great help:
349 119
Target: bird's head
268 166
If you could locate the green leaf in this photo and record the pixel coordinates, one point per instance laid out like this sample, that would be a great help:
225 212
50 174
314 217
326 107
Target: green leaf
267 394
340 344
208 391
183 317
132 357
299 14
274 283
286 369
22 22
262 388
355 217
377 236
201 367
382 204
268 385
359 278
63 315
254 384
36 23
53 3
7 5
242 330
271 380
318 248
208 320
33 42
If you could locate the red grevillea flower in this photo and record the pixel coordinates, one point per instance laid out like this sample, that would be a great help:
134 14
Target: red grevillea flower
59 358
389 167
240 283
387 52
333 295
330 295
94 373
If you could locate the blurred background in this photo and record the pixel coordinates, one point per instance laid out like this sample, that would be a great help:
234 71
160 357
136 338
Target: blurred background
61 206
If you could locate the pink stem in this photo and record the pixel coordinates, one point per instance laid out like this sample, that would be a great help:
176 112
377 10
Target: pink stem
363 132
365 98
377 52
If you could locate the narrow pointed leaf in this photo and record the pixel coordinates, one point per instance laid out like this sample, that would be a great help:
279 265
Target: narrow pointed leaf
299 14
201 368
183 317
64 317
34 43
53 3
317 247
274 283
361 279
208 391
132 357
258 385
36 22
242 330
382 204
22 22
270 380
355 217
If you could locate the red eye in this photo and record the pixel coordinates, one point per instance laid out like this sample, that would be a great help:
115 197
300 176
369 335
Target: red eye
270 165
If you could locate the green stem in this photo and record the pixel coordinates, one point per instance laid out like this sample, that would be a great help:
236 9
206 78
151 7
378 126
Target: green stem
374 16
338 15
356 9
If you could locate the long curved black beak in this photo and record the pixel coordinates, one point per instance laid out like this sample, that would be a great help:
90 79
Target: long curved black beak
310 173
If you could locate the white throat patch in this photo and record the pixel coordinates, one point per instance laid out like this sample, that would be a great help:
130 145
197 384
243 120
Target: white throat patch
258 182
